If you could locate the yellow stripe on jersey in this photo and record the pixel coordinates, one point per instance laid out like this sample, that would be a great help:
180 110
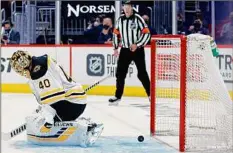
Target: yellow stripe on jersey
72 91
53 99
76 93
52 96
78 97
49 61
51 92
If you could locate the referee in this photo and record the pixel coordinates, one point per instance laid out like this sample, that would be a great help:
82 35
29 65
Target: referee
133 33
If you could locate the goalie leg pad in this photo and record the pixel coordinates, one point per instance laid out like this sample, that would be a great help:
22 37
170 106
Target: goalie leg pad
79 132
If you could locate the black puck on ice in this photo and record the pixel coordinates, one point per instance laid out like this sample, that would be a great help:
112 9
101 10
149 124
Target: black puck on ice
140 138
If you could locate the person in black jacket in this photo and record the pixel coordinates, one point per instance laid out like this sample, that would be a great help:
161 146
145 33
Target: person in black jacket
9 36
147 21
105 36
134 34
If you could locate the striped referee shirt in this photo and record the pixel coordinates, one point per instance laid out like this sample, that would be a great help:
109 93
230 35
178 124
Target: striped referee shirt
132 30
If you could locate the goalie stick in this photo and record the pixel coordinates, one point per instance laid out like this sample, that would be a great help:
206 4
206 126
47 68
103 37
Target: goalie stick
22 128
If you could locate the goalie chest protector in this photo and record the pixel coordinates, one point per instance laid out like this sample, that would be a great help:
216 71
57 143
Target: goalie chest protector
46 81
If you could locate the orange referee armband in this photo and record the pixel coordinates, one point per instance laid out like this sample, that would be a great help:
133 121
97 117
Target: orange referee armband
145 30
116 31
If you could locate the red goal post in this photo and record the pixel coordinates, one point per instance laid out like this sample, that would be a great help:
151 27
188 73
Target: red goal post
182 84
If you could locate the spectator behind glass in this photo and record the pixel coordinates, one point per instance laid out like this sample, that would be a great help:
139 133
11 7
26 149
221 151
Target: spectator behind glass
180 24
91 23
198 28
227 31
106 35
199 15
9 36
93 30
147 20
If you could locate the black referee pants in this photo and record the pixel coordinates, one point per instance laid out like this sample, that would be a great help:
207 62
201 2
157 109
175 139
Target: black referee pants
125 58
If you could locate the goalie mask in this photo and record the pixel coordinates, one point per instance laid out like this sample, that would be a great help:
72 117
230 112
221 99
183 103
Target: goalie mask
20 62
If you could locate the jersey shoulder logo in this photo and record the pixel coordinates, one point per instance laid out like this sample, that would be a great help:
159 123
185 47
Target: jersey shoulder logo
36 68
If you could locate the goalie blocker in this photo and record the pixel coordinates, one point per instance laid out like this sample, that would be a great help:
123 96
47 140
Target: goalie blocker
61 100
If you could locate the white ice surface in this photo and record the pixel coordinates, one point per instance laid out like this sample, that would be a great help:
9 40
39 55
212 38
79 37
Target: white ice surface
123 124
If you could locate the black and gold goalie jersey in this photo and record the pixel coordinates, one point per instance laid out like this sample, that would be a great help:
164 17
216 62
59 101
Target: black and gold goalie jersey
50 83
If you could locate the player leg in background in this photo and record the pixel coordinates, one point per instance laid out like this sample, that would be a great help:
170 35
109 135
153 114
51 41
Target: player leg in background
124 60
139 59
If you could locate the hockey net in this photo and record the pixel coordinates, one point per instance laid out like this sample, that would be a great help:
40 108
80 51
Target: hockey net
190 106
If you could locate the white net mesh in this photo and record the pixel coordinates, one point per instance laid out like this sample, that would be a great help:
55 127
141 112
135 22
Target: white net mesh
208 104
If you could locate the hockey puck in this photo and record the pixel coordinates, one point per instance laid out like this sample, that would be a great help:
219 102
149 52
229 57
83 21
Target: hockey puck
140 138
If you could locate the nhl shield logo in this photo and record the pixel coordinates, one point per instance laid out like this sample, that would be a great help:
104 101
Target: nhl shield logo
133 26
95 65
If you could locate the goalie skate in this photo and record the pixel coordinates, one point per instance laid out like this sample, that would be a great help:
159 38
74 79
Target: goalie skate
94 132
